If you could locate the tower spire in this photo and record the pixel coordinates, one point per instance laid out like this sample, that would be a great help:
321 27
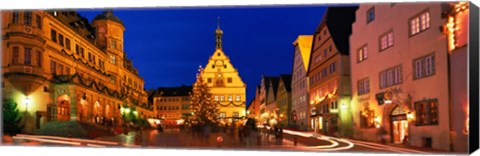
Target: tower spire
218 35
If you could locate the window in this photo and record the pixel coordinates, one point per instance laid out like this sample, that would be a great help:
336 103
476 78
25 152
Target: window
324 73
426 112
325 53
386 41
235 114
67 70
367 119
216 98
38 21
113 44
113 59
28 18
60 68
229 80
334 105
318 58
419 23
77 49
67 43
15 56
53 67
15 17
424 66
390 77
332 67
185 106
81 52
53 35
28 56
39 58
89 57
60 39
230 98
370 15
363 86
209 80
222 98
222 115
237 98
362 53
113 79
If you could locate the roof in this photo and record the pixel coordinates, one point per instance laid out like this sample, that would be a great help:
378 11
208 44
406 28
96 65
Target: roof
173 91
287 81
304 44
339 22
108 15
274 81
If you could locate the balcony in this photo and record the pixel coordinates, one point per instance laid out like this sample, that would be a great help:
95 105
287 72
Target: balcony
25 78
20 28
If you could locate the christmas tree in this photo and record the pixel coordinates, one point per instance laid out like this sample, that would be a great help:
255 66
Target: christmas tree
202 106
11 117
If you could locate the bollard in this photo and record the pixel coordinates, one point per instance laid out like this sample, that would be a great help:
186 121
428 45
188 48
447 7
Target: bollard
219 141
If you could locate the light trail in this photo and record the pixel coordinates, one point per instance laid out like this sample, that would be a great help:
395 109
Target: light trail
47 141
69 139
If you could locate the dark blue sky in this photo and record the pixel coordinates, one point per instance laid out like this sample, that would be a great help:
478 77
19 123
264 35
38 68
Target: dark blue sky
168 44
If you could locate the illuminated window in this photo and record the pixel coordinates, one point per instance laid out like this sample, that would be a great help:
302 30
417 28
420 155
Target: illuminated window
236 114
386 41
362 53
426 112
367 119
424 66
222 98
419 23
216 98
237 98
222 115
113 59
230 98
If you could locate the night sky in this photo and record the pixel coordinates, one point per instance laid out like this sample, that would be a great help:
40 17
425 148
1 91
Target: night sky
167 45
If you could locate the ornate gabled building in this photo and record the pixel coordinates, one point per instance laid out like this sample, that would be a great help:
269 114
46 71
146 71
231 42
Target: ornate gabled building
300 105
58 67
226 85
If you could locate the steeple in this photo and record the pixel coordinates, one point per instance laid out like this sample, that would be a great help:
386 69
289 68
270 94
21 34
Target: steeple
218 35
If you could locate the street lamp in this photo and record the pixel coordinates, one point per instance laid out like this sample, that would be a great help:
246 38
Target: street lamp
27 101
388 97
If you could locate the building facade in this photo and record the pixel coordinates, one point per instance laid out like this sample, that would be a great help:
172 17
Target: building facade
400 63
271 107
254 107
226 85
57 66
284 101
329 73
172 104
300 106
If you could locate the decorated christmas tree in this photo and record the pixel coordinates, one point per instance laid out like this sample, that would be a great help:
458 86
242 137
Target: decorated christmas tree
203 108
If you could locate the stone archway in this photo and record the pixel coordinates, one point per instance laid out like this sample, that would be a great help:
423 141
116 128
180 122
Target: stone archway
63 107
398 124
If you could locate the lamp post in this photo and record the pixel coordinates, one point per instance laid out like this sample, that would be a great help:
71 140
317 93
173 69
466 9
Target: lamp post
27 101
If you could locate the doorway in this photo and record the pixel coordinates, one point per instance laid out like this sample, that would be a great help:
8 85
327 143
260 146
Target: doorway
399 125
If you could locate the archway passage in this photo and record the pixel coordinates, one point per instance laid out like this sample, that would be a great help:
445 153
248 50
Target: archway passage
63 108
399 125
